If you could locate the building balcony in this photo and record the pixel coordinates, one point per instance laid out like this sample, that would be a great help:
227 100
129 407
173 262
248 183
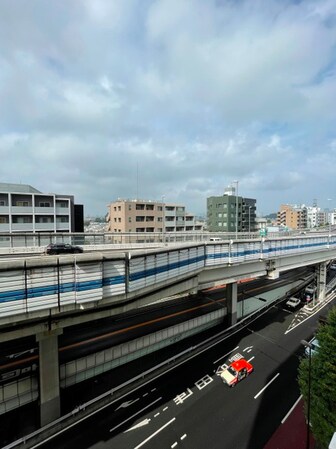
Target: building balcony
24 210
62 226
4 227
4 210
44 227
22 227
62 210
44 210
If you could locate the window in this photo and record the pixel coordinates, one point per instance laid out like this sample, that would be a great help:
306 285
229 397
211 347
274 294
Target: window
138 218
45 204
129 220
119 208
62 204
4 220
22 203
119 220
140 207
130 207
149 206
149 218
2 203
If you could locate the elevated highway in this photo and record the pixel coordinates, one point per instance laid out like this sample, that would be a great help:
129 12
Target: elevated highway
43 295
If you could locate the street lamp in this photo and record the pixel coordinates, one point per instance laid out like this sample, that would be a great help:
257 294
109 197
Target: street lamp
329 217
249 220
163 218
310 346
236 182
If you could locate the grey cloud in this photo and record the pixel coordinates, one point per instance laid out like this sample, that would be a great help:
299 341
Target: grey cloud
107 99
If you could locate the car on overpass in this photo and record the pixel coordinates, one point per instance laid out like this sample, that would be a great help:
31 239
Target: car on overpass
62 248
292 302
235 372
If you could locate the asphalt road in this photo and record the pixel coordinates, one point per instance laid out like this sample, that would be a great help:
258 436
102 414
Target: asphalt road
190 407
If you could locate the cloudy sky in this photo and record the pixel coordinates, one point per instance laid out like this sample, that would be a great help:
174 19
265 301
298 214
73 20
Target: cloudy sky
176 98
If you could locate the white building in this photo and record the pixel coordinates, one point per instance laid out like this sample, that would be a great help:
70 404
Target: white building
25 209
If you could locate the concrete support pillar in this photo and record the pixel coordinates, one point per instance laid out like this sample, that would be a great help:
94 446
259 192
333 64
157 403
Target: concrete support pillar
321 281
231 300
50 407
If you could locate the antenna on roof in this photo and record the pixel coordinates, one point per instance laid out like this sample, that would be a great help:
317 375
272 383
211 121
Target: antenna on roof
137 182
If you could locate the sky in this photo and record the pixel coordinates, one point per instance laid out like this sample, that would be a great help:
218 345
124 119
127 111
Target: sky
170 99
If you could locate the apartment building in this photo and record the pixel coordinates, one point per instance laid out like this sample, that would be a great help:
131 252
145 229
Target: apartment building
25 209
292 216
149 216
231 213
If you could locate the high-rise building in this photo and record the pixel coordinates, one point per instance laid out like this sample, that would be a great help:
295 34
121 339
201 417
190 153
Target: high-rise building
149 216
231 213
25 209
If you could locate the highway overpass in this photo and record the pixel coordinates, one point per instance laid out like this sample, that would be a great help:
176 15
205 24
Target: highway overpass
42 296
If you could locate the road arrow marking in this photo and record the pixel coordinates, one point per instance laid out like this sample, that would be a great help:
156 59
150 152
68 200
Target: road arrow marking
140 424
248 348
126 404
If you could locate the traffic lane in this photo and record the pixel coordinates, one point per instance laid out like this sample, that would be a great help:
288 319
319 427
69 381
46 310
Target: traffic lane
103 427
223 394
254 384
171 385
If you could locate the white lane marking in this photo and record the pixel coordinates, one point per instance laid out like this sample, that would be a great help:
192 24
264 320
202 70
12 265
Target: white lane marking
248 348
166 408
182 397
223 356
153 389
155 433
251 359
269 383
202 383
292 408
173 445
183 437
137 413
157 414
126 404
235 357
145 394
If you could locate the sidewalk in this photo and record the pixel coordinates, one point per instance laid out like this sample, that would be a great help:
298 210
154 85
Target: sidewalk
292 432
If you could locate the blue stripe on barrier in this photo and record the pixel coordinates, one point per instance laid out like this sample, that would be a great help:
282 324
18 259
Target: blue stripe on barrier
165 268
48 290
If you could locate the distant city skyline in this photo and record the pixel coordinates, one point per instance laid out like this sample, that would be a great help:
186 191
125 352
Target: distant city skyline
168 98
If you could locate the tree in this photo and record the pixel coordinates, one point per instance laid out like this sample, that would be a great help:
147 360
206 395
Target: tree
323 382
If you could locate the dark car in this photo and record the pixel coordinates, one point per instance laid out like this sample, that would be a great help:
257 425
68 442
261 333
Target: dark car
62 248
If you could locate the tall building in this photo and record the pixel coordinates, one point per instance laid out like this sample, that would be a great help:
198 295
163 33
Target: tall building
25 209
230 213
149 216
315 217
292 216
